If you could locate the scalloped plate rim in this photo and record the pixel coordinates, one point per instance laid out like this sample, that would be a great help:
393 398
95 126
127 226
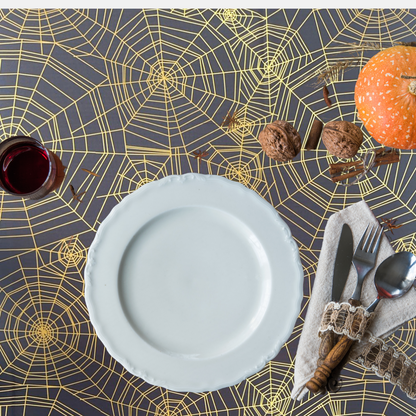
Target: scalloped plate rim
262 361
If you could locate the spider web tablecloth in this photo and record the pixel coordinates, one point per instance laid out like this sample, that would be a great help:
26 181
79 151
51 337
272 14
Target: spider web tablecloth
133 96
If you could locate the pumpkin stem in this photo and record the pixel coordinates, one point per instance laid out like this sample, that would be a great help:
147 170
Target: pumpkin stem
412 87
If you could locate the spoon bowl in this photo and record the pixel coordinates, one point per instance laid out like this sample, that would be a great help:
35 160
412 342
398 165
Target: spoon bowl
394 277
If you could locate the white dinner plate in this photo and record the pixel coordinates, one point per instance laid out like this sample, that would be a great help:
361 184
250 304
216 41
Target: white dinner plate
193 282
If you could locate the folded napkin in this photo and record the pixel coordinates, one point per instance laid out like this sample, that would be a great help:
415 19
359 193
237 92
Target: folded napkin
389 315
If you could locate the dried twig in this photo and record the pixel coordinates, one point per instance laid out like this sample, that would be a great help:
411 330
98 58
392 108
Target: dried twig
199 154
75 195
334 71
326 96
230 120
407 43
65 241
390 224
366 45
91 173
371 45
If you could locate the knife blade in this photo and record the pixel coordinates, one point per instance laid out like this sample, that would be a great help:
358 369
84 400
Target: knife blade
342 266
342 262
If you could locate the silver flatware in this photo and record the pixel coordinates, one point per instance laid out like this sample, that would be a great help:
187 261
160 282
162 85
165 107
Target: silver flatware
342 262
394 277
364 259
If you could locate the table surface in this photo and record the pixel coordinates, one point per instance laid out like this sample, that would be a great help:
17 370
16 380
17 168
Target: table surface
133 96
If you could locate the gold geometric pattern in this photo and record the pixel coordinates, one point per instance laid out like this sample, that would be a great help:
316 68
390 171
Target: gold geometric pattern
126 97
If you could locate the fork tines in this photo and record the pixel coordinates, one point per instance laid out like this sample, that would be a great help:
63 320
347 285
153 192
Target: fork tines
368 245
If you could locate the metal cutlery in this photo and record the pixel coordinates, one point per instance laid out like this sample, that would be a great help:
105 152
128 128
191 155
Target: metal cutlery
364 260
394 277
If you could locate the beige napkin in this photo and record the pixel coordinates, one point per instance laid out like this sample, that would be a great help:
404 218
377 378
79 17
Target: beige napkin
389 315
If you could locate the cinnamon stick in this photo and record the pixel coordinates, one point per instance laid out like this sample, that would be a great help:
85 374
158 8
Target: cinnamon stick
339 167
314 135
346 175
387 156
381 158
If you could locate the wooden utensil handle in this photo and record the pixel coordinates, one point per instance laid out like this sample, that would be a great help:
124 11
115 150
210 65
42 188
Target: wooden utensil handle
354 302
331 361
328 339
333 383
327 342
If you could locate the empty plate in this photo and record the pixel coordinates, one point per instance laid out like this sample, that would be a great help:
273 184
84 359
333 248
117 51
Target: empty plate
193 282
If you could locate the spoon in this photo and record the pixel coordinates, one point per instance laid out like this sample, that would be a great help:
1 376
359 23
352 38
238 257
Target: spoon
394 277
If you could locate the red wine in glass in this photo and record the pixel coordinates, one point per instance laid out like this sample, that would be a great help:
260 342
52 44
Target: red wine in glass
28 169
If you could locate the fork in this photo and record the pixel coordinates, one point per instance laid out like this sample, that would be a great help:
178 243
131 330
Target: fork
364 259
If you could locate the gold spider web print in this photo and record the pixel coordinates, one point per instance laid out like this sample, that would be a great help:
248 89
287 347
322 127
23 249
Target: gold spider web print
126 97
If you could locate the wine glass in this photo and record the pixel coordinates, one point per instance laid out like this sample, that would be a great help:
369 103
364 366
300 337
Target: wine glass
28 169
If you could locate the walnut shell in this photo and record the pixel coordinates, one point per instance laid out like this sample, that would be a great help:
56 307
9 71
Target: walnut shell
342 138
280 141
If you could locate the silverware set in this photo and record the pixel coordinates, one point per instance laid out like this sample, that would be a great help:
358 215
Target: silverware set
364 259
393 278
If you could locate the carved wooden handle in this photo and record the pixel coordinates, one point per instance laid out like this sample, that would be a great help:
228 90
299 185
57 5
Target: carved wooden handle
327 342
328 339
334 383
331 361
354 302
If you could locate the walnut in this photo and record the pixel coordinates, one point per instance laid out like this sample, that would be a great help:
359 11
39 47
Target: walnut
280 141
342 138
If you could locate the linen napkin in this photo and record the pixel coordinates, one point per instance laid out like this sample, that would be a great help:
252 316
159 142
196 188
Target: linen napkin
389 315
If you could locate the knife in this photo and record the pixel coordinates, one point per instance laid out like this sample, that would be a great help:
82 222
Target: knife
341 270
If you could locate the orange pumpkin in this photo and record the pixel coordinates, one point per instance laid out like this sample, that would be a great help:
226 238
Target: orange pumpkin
385 96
